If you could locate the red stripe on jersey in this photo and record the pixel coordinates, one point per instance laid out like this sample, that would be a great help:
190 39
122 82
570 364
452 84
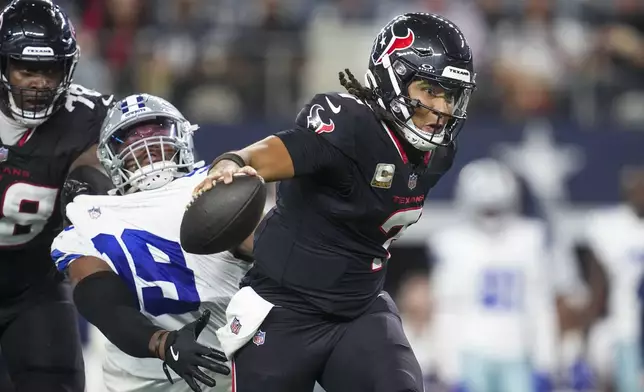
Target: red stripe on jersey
428 156
397 143
25 136
234 377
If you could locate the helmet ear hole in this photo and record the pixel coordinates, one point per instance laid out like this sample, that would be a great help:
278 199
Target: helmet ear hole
400 68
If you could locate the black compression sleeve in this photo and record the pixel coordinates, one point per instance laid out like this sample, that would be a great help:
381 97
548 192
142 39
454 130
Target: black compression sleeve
106 302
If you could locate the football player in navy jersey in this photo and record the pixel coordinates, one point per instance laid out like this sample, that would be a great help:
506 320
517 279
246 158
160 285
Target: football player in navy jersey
355 169
48 127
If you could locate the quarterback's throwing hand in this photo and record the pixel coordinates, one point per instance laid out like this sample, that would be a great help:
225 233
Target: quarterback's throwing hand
224 172
185 356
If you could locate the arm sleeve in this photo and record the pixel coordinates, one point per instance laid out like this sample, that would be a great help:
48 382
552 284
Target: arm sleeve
104 300
323 136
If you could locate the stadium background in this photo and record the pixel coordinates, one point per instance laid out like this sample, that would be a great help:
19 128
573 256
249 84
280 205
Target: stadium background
559 99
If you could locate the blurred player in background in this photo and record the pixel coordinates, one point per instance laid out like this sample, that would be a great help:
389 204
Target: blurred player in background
133 280
355 170
48 127
614 236
495 312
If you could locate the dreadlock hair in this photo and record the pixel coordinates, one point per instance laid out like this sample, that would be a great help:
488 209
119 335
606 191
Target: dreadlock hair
366 95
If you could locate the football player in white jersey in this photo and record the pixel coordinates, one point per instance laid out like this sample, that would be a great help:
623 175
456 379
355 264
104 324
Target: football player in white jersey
132 279
494 311
614 235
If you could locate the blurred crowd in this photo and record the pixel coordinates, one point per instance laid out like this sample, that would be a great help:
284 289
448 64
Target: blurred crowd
230 61
526 304
509 302
500 314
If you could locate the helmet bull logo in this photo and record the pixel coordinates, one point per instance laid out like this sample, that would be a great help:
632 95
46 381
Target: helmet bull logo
315 123
396 43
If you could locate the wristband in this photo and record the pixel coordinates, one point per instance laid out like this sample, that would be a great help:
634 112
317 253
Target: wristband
157 345
229 156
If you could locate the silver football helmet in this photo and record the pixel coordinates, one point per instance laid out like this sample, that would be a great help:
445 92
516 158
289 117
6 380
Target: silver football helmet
489 193
487 185
145 143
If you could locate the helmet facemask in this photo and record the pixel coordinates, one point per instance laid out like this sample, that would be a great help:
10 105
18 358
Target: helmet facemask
445 123
149 154
35 87
419 46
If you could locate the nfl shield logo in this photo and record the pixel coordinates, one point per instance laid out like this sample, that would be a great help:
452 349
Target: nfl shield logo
235 326
259 338
413 179
94 212
4 154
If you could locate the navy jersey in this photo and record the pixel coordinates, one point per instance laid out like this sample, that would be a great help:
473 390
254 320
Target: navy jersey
31 175
323 248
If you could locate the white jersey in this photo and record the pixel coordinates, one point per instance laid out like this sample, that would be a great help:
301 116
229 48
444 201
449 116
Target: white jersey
138 236
615 236
491 296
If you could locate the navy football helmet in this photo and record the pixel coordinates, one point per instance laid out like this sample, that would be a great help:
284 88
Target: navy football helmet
429 47
37 35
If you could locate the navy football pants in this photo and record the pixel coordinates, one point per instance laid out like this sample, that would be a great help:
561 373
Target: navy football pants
41 343
370 353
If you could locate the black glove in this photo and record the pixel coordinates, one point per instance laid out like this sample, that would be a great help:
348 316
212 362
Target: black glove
71 189
83 180
184 355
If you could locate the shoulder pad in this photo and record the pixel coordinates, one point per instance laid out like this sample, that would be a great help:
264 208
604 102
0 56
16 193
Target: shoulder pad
82 114
325 113
81 97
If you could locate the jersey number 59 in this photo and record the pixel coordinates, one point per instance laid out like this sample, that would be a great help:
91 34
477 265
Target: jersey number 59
169 285
25 211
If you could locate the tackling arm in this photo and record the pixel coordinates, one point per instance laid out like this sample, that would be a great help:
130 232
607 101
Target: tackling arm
104 300
83 180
